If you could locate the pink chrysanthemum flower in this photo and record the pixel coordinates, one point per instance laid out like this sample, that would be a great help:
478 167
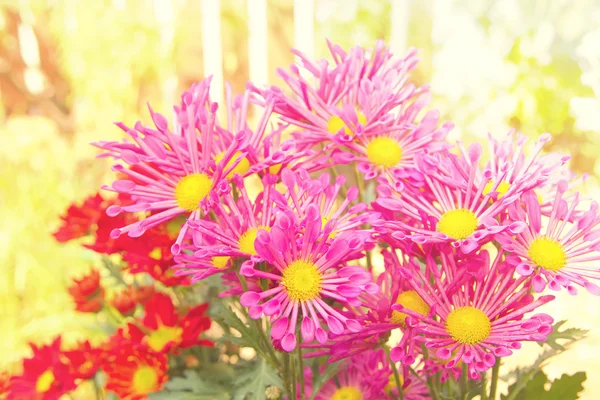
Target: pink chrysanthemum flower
553 250
509 164
375 312
391 154
302 191
477 321
305 269
365 376
232 232
353 95
174 173
459 213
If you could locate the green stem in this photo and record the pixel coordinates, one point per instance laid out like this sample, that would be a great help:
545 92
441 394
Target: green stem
301 366
484 395
494 384
464 381
396 376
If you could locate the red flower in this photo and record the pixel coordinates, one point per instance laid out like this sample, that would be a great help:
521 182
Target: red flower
153 256
134 372
87 292
79 221
44 377
103 242
162 330
83 361
125 301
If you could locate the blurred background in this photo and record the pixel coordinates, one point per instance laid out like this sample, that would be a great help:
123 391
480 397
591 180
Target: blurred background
70 68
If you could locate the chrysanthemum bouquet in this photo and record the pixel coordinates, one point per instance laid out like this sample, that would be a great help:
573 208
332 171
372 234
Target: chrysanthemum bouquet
347 249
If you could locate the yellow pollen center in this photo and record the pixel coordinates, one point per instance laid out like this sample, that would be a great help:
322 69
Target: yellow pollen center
242 167
412 301
44 382
501 189
458 224
159 338
302 280
156 254
468 325
347 393
247 240
547 253
384 151
336 123
219 262
145 380
191 190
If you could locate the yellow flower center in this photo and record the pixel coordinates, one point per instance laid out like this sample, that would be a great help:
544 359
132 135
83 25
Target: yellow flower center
247 240
44 382
302 280
458 224
468 325
347 393
191 190
219 262
164 335
412 301
547 253
145 380
384 151
156 254
501 189
242 167
336 123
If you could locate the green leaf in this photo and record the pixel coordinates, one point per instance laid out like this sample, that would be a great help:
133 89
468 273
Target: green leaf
254 379
567 336
191 387
224 315
566 387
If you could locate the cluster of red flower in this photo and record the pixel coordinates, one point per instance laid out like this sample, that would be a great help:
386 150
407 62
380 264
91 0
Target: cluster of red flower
135 359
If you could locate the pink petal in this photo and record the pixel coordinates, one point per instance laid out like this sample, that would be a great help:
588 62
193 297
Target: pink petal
113 211
539 284
349 291
288 343
353 326
308 329
335 325
321 335
279 328
123 186
443 354
272 307
249 299
397 354
255 312
524 269
592 288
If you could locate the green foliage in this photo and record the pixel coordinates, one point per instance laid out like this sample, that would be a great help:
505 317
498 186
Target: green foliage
566 387
224 315
253 380
320 378
192 387
567 336
530 381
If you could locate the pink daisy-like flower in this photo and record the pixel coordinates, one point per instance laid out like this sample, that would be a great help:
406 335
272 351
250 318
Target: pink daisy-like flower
174 173
354 95
553 250
305 269
508 163
477 321
458 212
302 191
365 376
233 232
